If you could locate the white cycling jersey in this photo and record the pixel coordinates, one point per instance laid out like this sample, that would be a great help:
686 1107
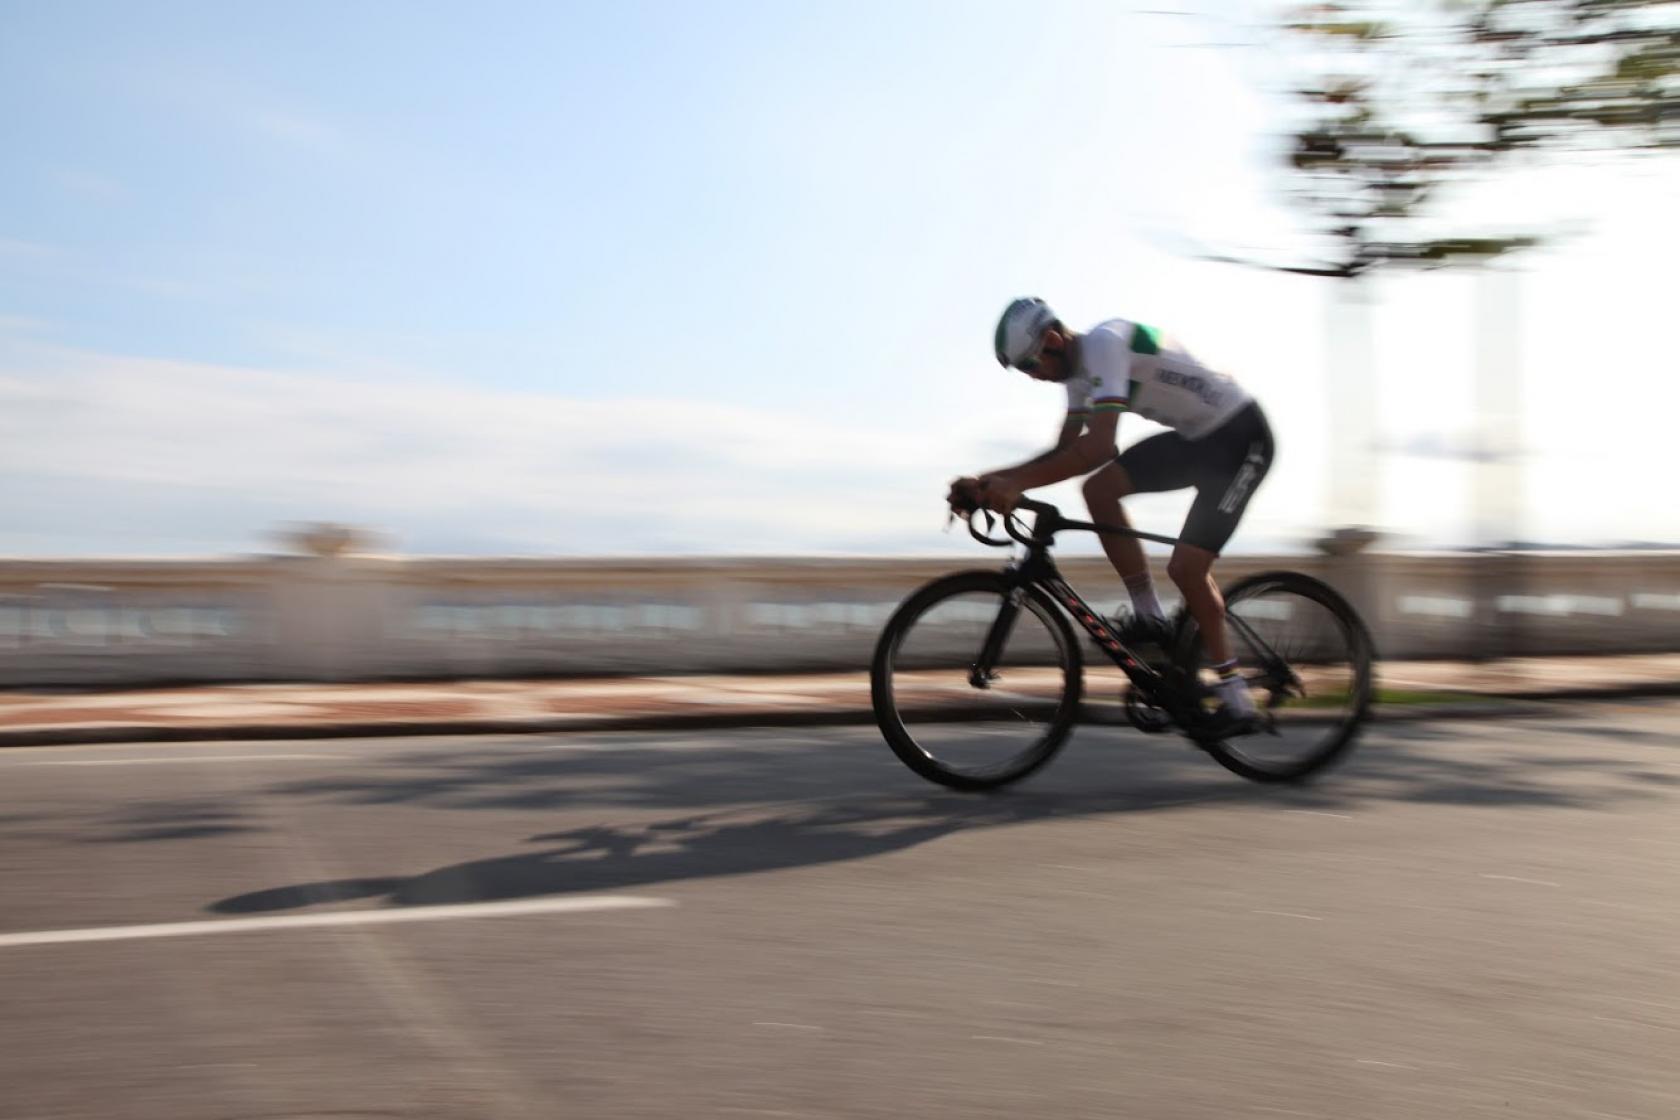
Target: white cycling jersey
1126 366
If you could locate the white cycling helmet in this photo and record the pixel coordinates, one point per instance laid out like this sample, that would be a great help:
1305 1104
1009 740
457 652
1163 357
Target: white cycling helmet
1021 330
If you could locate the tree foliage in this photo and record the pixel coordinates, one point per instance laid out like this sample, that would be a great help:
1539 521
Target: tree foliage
1402 101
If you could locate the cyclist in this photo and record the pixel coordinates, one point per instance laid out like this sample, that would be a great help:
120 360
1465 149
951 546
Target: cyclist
1218 442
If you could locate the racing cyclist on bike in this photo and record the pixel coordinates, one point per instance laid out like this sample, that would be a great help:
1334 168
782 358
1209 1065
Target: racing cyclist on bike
1218 442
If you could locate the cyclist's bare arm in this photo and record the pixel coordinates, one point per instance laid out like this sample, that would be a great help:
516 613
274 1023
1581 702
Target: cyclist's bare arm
1072 425
1086 443
967 489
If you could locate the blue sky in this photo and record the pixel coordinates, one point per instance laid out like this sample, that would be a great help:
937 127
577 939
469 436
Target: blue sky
515 190
650 277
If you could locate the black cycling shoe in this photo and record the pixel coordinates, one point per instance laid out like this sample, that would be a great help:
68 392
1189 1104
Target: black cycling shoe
1150 641
1141 633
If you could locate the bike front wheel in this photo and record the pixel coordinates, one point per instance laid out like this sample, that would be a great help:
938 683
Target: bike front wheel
976 681
1307 658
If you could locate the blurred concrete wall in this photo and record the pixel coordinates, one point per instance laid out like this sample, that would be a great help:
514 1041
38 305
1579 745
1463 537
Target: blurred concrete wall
339 616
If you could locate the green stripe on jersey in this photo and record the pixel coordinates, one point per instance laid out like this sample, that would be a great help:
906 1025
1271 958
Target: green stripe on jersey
1145 340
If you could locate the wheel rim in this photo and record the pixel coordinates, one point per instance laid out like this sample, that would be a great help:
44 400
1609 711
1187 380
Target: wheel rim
978 733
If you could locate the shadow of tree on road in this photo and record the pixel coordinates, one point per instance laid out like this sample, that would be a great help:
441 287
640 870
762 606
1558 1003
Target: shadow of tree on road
178 819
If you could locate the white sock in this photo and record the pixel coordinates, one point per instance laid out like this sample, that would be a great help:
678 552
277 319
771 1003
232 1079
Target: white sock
1232 690
1144 603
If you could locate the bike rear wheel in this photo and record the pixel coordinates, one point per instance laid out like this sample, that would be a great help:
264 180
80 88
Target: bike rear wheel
976 681
1307 658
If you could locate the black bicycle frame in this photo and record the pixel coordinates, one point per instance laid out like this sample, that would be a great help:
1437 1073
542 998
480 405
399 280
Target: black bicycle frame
1037 569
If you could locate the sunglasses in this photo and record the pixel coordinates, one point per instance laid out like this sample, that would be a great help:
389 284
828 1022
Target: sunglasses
1031 363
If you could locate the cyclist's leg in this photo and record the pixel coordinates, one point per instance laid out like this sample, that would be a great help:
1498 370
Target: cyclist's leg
1191 570
1103 492
1235 460
1161 462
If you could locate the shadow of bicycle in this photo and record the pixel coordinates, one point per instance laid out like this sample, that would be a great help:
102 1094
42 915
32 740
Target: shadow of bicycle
739 841
779 800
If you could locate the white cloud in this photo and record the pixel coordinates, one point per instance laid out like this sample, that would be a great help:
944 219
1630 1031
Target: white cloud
13 249
27 261
121 455
22 324
89 186
291 127
221 454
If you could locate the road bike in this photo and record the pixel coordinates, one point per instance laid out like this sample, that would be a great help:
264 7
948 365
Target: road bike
978 677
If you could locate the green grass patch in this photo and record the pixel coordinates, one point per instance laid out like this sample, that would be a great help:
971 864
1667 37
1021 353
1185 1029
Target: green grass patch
1394 697
1411 696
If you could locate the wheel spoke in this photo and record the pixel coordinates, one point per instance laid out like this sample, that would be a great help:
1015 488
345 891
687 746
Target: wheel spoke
1306 660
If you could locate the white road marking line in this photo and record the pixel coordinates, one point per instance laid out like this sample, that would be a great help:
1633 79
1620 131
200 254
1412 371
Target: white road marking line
176 758
1318 813
1644 1002
1635 1023
339 918
787 1026
1541 1082
1006 1038
611 746
1520 879
1390 1065
1286 914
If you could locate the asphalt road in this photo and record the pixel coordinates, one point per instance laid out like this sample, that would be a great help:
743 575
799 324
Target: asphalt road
1468 919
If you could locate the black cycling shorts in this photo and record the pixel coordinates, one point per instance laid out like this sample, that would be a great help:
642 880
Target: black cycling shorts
1225 466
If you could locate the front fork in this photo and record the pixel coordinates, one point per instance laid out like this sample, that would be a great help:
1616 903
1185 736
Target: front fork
984 670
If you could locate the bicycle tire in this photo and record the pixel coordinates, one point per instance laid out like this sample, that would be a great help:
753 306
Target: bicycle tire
1361 657
890 717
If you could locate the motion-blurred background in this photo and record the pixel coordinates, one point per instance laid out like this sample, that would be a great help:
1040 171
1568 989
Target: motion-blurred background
675 281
